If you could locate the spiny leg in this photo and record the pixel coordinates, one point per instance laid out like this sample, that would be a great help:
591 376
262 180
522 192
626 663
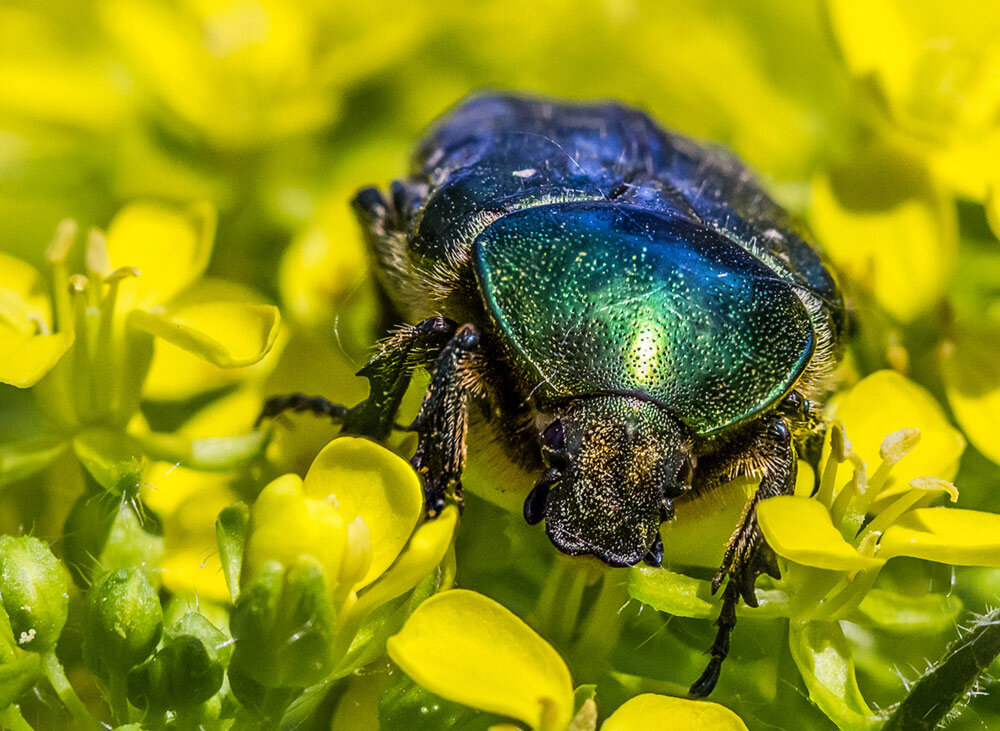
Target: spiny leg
771 455
442 421
388 373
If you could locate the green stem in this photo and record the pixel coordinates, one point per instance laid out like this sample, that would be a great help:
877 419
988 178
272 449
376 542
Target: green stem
604 621
53 670
118 692
565 619
11 718
548 598
951 679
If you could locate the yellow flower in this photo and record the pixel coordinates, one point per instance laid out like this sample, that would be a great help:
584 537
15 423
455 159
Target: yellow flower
140 284
888 225
833 545
467 648
652 712
244 74
348 532
28 347
934 70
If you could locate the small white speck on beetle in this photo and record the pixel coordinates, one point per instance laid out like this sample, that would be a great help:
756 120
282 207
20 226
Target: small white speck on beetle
526 173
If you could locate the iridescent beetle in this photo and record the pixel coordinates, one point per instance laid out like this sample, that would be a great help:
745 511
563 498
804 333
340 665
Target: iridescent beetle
638 318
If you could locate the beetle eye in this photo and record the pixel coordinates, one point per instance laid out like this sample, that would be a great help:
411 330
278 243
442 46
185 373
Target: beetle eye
554 438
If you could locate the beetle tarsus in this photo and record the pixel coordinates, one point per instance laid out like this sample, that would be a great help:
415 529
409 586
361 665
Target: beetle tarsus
300 402
720 648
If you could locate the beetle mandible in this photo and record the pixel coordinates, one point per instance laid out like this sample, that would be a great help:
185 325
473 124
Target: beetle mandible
637 316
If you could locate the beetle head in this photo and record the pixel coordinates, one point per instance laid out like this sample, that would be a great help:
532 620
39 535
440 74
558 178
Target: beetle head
615 463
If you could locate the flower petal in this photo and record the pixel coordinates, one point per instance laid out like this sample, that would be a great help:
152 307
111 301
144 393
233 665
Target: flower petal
177 374
25 359
228 334
370 482
653 712
21 283
886 225
170 247
946 535
800 529
425 551
285 526
467 648
901 404
971 370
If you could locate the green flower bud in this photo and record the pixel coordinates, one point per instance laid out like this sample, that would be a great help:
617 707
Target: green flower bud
33 591
187 671
86 531
124 621
284 625
103 534
181 675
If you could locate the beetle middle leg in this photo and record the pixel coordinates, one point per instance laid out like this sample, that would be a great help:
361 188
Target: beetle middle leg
768 452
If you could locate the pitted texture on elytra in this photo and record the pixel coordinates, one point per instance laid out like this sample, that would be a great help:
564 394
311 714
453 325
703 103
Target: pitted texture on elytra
598 298
498 154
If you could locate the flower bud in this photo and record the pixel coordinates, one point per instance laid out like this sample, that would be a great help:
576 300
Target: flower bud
33 591
103 533
284 625
186 672
124 621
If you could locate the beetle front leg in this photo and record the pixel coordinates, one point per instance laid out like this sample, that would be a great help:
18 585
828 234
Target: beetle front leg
388 373
442 422
770 454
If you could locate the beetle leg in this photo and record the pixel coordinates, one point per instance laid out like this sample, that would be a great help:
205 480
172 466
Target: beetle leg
442 421
388 374
770 454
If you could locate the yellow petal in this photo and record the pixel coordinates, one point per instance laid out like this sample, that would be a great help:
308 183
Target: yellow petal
228 334
800 529
971 370
652 712
178 374
935 66
21 283
370 482
467 648
170 248
425 551
946 535
886 402
285 526
885 224
24 359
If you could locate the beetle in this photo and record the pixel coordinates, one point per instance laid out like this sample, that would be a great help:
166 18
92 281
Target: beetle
637 317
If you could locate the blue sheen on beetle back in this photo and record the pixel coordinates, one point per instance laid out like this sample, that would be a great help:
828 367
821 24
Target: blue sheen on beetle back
601 298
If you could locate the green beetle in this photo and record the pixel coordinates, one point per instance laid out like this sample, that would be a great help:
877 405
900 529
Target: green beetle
637 317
